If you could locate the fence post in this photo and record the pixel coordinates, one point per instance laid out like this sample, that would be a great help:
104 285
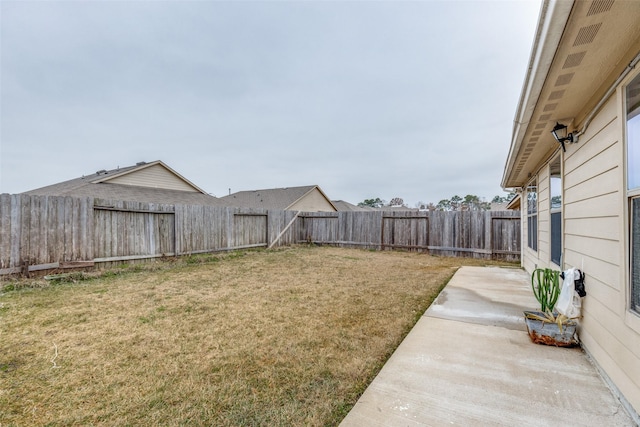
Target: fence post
488 232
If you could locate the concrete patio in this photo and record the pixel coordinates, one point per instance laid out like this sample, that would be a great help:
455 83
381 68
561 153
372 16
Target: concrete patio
469 361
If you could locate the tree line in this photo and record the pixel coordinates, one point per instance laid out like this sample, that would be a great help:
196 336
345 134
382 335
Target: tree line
470 202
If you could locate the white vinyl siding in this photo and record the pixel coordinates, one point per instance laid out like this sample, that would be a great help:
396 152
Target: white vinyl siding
594 240
592 196
593 210
544 222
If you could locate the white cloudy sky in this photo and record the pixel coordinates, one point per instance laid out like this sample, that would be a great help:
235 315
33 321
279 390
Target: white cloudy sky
366 99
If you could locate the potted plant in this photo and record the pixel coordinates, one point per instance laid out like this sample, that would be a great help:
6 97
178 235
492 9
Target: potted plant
547 326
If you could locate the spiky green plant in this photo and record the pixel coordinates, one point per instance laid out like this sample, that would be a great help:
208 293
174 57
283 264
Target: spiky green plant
545 283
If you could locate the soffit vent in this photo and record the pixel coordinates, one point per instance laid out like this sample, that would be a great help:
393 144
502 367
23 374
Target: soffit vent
556 95
564 79
573 60
587 34
599 6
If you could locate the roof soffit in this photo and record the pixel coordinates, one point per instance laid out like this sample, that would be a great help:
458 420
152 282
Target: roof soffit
599 40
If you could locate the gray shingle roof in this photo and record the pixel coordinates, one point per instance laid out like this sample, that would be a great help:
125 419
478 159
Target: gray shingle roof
343 206
273 198
87 186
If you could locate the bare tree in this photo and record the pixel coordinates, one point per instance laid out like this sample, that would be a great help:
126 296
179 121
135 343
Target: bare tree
396 201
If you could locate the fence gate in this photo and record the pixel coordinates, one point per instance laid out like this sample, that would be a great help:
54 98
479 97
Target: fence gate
506 237
250 230
132 231
405 232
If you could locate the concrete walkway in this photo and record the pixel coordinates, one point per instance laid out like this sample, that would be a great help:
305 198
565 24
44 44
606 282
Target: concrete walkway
469 362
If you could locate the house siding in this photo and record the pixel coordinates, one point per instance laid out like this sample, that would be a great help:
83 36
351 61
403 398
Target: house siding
314 201
594 240
155 176
581 83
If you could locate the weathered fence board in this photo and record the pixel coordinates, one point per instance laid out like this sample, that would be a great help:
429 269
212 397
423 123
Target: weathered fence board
42 230
459 233
442 233
505 235
38 232
5 230
127 229
284 226
318 227
405 230
250 229
362 229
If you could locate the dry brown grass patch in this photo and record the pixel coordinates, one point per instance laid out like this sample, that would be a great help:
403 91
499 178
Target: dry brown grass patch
287 337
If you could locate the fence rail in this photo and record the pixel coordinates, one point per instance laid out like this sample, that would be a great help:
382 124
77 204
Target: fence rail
45 232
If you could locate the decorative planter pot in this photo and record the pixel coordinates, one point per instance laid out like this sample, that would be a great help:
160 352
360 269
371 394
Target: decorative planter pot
549 333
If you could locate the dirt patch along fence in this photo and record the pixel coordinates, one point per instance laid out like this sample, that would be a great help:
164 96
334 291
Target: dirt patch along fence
45 232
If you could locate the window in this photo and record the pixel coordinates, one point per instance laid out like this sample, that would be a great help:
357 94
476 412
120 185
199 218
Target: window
633 187
635 254
555 184
532 217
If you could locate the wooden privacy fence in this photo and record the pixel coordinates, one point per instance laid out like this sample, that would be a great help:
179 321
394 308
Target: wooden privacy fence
484 234
44 232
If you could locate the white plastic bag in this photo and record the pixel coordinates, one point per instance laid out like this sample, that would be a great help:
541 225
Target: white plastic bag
569 302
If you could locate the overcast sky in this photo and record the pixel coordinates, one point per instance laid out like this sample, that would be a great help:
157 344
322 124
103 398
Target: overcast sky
366 99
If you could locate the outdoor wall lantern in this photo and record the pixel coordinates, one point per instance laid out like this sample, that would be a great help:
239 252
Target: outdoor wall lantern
560 134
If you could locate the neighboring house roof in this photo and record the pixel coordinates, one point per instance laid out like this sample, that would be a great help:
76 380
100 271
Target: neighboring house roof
343 206
398 208
499 206
288 198
514 204
153 182
580 51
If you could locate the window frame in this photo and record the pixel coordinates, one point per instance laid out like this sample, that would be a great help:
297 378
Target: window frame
555 172
532 215
632 302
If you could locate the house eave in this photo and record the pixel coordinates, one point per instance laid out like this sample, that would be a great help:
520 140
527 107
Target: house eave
553 19
581 53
